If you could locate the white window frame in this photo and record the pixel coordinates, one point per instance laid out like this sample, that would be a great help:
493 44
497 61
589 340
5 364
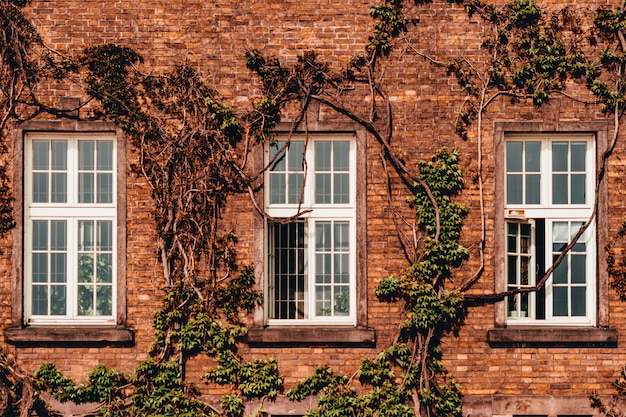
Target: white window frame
551 213
72 212
314 212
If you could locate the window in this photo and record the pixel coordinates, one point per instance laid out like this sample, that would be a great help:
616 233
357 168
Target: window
311 261
549 196
70 221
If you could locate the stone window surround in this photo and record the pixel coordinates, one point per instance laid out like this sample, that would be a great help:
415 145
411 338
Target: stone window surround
20 334
343 335
502 335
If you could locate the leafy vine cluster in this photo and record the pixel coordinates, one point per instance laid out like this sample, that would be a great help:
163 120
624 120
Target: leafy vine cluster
193 153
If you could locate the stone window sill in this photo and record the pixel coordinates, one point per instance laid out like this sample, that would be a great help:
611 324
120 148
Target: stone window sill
527 336
311 336
69 335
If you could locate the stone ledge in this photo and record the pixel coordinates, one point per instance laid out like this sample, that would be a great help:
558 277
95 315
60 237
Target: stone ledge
526 336
312 336
69 335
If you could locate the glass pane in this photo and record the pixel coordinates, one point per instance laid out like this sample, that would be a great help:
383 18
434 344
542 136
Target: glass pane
511 305
58 238
512 270
104 300
85 155
322 156
579 151
295 187
579 269
85 300
85 188
579 301
533 189
511 237
322 236
40 267
105 155
559 276
342 236
322 188
342 301
533 156
578 189
105 236
59 155
341 156
58 267
40 300
560 189
85 235
323 268
524 270
559 156
277 188
105 188
59 188
560 233
342 269
40 155
514 189
341 193
85 267
323 303
525 238
296 156
40 187
279 162
104 270
40 235
559 301
58 300
514 157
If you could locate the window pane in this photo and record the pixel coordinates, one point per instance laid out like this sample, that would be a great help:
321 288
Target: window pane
58 238
85 155
40 235
578 189
341 193
514 157
85 188
512 270
533 156
579 151
58 267
341 156
342 301
40 155
59 155
104 270
296 156
40 267
58 300
342 269
559 301
85 267
105 236
579 301
85 300
40 300
322 189
277 188
287 278
40 187
559 276
104 300
279 162
342 236
579 269
105 155
59 188
514 189
85 235
559 156
560 189
322 236
533 189
323 268
322 156
295 187
323 302
105 188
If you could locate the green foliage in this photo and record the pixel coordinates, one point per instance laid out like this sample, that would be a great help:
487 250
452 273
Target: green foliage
390 22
